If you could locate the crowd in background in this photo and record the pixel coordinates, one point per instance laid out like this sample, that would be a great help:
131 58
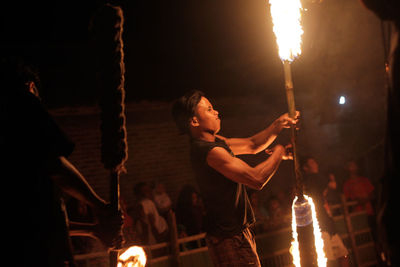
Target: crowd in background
147 221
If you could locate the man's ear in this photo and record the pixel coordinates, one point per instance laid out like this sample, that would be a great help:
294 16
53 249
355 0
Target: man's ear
194 121
32 88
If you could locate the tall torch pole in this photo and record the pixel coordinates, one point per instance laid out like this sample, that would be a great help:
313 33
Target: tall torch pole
292 114
286 16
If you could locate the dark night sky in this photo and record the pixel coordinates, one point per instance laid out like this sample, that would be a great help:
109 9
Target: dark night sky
223 47
217 46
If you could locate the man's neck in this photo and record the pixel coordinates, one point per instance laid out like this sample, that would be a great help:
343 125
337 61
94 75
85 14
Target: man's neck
205 136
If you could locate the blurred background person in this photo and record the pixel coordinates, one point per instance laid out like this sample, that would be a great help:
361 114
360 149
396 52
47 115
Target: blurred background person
259 210
359 188
151 226
162 199
277 217
332 195
190 212
315 186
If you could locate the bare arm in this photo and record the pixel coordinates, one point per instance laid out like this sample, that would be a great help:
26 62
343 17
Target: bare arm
72 182
239 171
261 140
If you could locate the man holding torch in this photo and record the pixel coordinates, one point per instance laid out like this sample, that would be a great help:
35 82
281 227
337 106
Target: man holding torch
222 176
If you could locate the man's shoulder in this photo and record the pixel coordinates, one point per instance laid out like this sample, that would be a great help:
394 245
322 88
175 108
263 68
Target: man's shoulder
206 146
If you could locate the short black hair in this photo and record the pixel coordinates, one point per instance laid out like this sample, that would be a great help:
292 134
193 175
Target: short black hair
183 109
15 73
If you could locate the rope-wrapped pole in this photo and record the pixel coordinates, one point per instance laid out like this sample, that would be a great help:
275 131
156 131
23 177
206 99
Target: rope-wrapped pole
111 85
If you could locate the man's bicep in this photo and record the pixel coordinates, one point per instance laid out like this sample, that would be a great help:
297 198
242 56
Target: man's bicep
232 168
239 146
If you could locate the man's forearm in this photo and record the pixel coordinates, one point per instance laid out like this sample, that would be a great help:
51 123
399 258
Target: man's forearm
263 139
254 144
267 168
72 182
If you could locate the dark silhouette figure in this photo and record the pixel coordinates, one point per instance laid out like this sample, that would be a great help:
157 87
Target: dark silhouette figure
36 152
388 231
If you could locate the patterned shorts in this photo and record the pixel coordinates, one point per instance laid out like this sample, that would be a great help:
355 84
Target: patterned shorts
236 251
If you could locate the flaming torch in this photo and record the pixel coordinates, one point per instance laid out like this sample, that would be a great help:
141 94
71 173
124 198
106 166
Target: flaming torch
307 245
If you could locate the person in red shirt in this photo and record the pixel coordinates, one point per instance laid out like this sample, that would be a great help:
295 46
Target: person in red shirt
360 189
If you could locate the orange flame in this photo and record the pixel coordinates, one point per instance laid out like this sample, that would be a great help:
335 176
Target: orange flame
286 16
319 242
132 257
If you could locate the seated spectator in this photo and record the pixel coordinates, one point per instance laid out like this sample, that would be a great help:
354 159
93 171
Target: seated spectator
190 211
359 188
128 227
315 185
151 227
162 199
332 196
285 198
78 211
277 219
260 212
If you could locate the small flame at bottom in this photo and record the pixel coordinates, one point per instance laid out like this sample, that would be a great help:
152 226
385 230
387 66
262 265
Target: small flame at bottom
132 257
319 243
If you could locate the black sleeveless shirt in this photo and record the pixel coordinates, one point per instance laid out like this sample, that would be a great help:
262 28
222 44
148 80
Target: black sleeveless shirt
227 204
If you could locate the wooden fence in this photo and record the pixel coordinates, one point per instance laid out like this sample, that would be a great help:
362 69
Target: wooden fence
273 247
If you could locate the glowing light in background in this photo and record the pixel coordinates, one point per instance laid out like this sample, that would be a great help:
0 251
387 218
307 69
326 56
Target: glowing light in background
342 100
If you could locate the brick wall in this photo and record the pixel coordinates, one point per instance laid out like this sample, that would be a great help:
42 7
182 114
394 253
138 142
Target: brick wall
156 152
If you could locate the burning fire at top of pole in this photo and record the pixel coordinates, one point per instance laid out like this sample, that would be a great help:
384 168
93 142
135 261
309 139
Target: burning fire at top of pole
286 16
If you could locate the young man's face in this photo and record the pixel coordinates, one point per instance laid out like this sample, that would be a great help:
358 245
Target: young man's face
207 117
